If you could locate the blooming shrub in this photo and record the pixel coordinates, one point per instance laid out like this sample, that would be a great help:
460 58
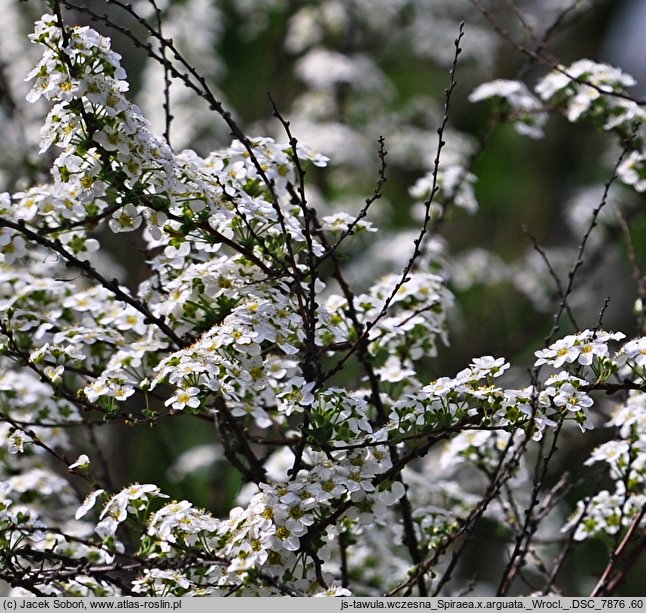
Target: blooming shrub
362 473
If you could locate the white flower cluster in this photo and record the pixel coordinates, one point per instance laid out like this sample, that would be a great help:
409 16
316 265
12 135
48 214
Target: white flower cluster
586 348
609 512
519 104
584 90
455 186
583 87
251 322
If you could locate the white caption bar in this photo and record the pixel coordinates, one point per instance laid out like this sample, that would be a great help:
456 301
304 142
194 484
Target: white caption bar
325 605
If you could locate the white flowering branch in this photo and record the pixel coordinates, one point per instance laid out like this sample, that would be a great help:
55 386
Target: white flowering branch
359 472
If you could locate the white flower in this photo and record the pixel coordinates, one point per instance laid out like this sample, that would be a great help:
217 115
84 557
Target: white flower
121 392
339 222
183 398
298 396
454 451
571 399
394 370
260 416
391 496
88 503
500 88
635 351
112 140
488 365
632 171
125 219
332 592
631 414
138 491
96 389
82 462
16 443
563 350
611 452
